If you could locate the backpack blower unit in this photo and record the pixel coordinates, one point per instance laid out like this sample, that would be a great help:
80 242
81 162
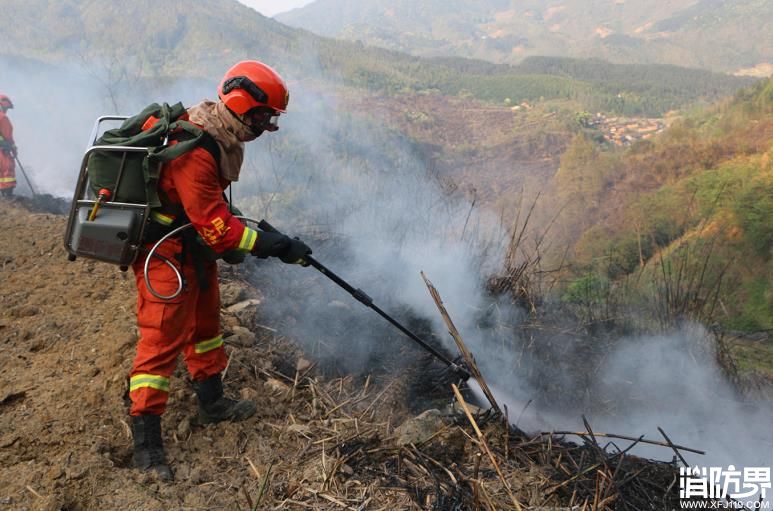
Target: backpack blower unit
117 184
106 224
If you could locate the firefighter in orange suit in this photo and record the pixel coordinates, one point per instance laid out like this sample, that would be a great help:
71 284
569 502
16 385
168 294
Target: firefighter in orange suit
252 96
7 149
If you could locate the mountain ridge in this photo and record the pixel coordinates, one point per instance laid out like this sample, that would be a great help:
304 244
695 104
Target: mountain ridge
711 34
203 39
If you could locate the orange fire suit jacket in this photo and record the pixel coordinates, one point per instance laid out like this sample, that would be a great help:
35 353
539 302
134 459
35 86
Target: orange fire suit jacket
7 146
193 180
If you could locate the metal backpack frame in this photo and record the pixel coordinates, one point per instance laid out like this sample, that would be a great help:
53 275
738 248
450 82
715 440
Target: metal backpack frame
115 234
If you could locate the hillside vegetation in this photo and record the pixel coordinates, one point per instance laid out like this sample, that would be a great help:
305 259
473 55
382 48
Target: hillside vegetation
176 39
711 34
688 213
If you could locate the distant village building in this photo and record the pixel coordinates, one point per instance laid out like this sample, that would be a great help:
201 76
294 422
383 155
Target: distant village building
627 130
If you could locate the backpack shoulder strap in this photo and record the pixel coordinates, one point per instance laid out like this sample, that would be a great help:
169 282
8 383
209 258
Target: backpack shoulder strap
209 143
203 140
174 124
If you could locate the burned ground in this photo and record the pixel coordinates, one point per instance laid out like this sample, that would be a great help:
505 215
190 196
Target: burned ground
320 440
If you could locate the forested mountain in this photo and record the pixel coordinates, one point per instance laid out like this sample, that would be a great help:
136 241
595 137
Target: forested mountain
176 39
712 34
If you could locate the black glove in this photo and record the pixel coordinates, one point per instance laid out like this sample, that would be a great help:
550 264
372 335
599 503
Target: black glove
288 250
234 256
296 253
270 244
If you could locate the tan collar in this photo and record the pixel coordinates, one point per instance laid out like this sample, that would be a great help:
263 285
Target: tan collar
227 130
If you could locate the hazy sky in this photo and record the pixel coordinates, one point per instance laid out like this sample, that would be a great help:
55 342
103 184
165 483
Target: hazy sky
271 7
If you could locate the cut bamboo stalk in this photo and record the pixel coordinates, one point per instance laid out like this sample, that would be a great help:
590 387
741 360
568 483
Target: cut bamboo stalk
466 354
483 442
622 437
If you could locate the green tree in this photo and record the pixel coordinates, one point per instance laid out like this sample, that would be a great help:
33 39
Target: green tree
581 180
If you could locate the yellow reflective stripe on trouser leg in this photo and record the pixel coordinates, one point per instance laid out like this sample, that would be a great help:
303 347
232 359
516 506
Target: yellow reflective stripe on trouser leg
249 237
7 179
162 218
209 345
139 381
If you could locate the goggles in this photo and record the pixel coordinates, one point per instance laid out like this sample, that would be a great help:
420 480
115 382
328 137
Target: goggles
267 120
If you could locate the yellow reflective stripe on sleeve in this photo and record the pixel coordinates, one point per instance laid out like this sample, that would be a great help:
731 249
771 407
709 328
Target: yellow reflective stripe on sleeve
7 179
249 237
162 218
209 345
139 381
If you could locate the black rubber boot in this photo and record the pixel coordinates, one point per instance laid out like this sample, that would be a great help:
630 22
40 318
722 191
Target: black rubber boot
148 446
214 407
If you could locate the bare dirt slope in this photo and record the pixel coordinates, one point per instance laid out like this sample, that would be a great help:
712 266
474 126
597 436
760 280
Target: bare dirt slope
67 333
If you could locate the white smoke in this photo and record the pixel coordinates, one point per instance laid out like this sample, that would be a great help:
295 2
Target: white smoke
669 381
673 381
396 221
365 186
55 108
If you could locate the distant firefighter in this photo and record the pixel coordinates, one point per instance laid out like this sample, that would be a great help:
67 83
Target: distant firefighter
7 149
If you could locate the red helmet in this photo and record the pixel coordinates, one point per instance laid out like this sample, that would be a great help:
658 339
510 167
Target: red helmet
5 102
250 84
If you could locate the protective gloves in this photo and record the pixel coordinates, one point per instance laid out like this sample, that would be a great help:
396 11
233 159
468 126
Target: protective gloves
234 256
288 250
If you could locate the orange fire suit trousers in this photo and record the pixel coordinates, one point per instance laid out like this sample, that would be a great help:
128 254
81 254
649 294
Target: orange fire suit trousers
7 171
188 324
